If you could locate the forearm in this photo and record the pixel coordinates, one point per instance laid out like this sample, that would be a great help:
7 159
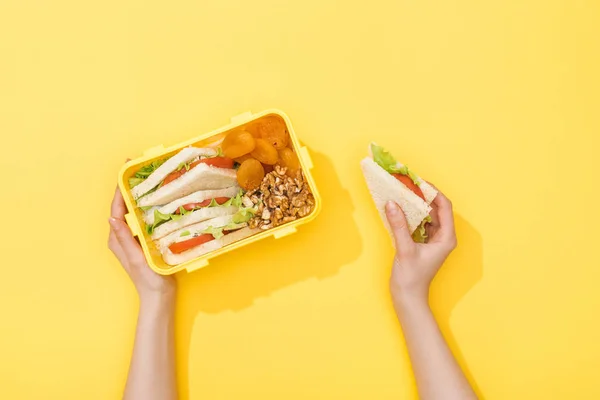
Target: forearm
437 373
152 370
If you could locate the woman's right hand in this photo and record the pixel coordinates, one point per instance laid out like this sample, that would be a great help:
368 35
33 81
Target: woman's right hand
416 264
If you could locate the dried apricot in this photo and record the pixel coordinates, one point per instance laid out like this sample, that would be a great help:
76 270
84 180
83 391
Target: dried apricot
265 152
253 128
250 174
237 143
243 158
274 130
289 159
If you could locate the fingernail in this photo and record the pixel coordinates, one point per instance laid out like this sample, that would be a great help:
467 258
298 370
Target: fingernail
113 222
391 208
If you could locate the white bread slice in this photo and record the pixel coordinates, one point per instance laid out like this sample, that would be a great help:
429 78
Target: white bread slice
192 218
175 259
196 197
185 155
429 191
197 229
384 187
201 177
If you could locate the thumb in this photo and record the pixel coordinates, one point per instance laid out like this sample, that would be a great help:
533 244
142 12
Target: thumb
399 226
130 246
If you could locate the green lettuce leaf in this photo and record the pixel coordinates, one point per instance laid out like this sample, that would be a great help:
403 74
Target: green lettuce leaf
146 208
213 203
133 182
159 218
387 161
144 173
414 177
420 234
237 200
185 233
185 165
216 232
176 217
219 152
183 211
243 215
234 201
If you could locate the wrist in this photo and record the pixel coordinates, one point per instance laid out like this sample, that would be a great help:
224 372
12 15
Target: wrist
410 299
157 303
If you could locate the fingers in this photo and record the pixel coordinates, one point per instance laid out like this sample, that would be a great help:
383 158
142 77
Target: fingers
118 208
399 225
445 216
130 247
115 247
435 222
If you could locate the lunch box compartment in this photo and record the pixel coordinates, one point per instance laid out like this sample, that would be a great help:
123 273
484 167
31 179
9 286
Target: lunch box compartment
134 217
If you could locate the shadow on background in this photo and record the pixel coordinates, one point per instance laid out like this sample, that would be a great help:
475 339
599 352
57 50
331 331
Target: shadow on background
462 270
234 280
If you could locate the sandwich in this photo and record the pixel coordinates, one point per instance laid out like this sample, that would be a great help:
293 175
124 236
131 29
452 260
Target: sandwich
190 170
389 180
197 239
191 203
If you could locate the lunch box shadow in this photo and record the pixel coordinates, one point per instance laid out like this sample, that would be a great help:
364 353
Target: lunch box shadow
235 280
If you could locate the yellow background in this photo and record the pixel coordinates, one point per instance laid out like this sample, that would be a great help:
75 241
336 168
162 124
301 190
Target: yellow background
496 102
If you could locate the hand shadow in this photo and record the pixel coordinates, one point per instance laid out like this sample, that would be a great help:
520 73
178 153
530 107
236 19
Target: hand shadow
461 271
234 280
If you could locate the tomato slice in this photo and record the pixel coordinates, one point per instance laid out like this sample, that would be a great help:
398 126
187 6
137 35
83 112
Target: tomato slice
172 176
180 247
410 184
193 206
219 162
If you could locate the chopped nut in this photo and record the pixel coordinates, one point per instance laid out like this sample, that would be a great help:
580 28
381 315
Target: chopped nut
280 170
279 199
266 214
304 211
278 214
248 203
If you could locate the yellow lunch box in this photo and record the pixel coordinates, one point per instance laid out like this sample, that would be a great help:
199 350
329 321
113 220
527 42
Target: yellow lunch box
134 217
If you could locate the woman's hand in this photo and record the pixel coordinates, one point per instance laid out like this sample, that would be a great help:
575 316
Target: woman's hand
152 369
416 264
437 373
149 285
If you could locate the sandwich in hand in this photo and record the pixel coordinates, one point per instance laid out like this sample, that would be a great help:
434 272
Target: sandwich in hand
192 204
389 180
